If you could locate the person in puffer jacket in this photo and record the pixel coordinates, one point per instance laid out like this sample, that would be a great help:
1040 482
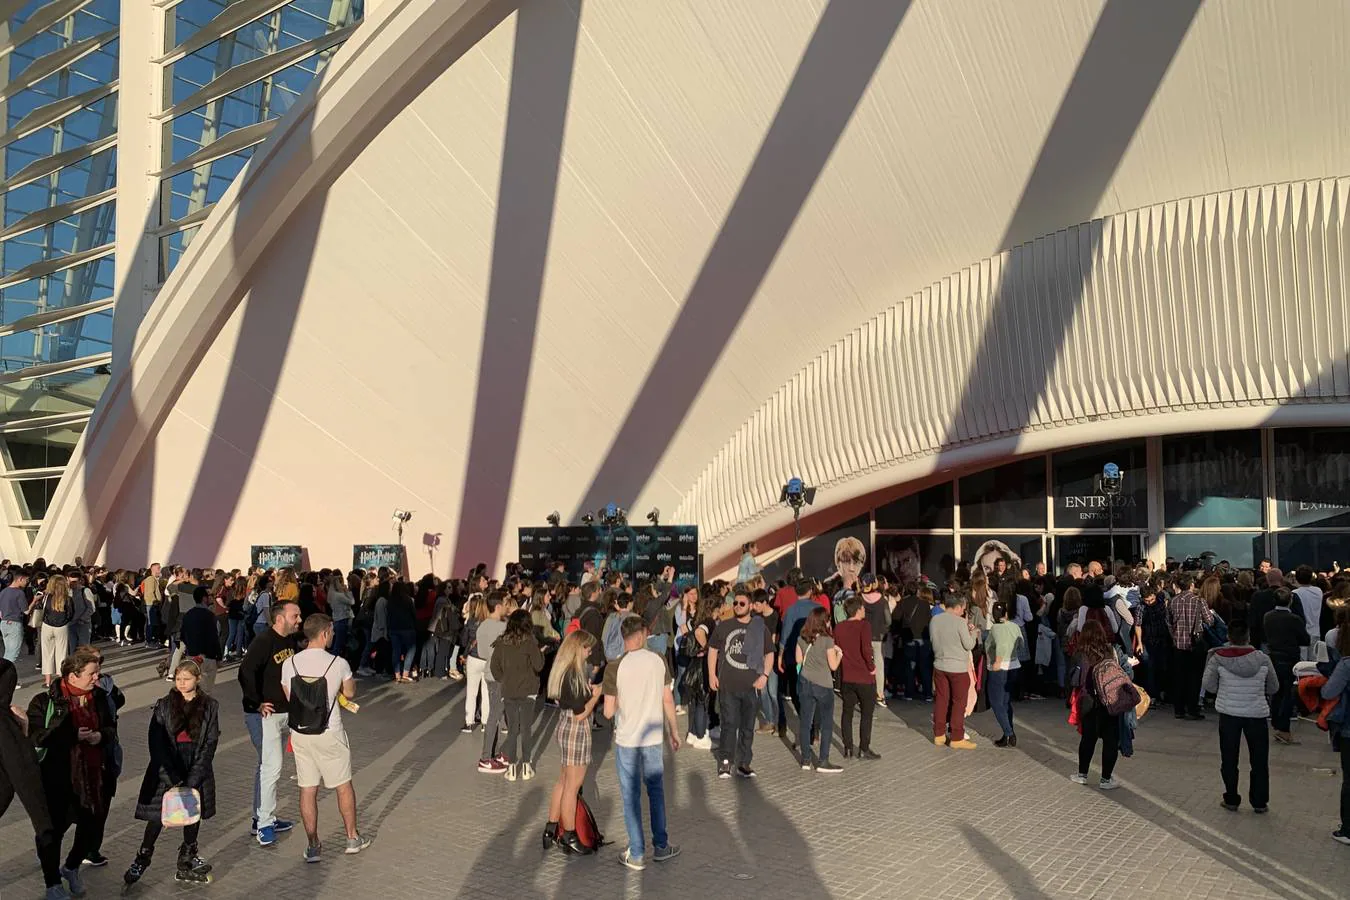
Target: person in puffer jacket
1243 678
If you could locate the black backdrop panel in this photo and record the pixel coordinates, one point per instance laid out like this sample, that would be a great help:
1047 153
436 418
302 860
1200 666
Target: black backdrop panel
632 550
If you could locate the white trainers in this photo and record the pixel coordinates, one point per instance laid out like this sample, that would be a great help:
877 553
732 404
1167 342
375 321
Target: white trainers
526 771
512 772
1108 784
1078 779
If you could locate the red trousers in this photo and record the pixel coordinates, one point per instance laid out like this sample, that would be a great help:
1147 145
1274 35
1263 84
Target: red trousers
950 692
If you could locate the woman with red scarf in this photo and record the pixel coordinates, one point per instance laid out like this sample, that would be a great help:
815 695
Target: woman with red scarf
71 724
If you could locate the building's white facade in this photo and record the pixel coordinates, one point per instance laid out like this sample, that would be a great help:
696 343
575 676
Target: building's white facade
497 262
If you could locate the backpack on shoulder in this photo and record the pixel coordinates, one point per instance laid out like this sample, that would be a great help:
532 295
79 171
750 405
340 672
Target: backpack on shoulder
309 706
1114 689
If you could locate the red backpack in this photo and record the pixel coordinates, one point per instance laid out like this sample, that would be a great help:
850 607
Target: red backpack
588 832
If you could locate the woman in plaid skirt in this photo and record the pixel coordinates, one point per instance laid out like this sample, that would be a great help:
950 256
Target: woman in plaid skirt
570 683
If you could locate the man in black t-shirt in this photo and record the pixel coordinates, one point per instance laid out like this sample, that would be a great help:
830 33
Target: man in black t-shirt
740 655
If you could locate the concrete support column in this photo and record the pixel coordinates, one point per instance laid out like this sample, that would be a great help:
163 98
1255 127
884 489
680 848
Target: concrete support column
140 143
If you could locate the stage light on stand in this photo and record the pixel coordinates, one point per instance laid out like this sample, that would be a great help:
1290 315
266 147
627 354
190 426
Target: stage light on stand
654 516
613 514
403 517
797 494
588 519
1109 484
554 519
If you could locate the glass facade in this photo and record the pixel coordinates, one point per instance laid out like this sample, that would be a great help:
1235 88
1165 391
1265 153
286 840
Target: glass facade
227 70
1239 495
232 74
56 245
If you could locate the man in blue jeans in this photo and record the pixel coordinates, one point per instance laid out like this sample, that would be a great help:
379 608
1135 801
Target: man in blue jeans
266 712
13 614
638 698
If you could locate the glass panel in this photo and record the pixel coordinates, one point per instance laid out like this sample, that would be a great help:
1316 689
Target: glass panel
1321 551
188 17
91 175
1018 551
93 122
1086 548
302 17
76 391
1312 477
929 508
70 287
96 68
82 231
42 448
903 557
257 102
1241 549
1078 504
1213 480
36 495
1011 496
86 336
172 248
191 190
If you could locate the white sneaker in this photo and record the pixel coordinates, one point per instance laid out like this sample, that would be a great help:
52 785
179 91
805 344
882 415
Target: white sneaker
705 742
679 710
512 772
1108 784
526 771
1078 779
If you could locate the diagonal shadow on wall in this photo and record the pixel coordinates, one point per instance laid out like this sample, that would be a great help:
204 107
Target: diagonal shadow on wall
847 47
264 339
1130 50
542 62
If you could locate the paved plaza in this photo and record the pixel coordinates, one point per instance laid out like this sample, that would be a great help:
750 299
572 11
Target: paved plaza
922 821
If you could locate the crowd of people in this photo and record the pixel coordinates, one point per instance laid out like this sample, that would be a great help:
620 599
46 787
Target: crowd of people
736 660
63 755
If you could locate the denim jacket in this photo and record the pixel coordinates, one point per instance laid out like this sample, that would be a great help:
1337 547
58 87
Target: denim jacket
1338 685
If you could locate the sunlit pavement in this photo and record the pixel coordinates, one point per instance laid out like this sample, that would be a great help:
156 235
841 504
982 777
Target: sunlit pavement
921 821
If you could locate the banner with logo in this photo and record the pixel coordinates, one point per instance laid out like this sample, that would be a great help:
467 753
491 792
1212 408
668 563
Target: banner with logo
276 556
372 556
634 551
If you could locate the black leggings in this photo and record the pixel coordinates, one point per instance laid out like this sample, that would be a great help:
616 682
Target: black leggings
27 784
1099 724
153 829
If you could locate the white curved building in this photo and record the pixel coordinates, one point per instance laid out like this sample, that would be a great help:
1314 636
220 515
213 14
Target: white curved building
942 260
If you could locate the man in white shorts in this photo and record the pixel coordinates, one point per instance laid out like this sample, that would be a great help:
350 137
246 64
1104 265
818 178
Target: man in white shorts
325 757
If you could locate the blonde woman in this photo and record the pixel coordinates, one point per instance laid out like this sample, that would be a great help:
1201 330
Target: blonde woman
570 684
287 588
56 618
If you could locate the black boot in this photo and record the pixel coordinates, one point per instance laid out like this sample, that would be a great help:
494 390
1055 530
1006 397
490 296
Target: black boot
550 837
191 867
138 866
572 844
